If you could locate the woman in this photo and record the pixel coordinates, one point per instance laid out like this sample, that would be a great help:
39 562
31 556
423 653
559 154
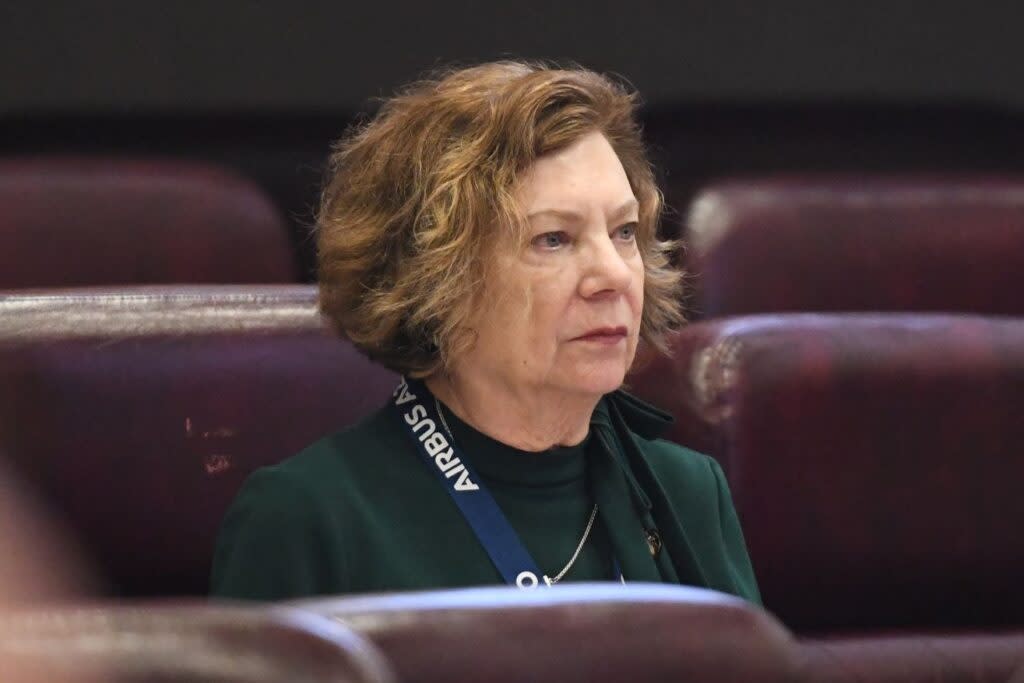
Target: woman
490 235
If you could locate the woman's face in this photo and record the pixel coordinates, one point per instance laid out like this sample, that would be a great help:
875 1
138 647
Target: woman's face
562 309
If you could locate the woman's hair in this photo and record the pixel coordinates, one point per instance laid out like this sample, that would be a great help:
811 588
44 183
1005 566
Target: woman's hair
414 199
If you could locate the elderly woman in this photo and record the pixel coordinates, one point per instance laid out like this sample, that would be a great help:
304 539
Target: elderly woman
491 235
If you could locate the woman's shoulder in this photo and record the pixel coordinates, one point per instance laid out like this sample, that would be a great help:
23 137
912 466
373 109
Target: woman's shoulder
681 469
353 454
670 455
668 459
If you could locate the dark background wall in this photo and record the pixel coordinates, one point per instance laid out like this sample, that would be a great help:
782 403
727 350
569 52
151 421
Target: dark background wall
733 88
104 55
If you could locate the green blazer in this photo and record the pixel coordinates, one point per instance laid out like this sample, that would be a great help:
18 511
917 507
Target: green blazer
359 512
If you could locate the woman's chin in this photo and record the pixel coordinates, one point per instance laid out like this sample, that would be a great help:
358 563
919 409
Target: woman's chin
599 380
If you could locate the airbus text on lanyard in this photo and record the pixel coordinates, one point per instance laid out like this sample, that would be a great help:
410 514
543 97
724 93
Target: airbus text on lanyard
415 407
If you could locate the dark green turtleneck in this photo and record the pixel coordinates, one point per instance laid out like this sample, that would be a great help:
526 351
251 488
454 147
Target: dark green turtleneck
359 512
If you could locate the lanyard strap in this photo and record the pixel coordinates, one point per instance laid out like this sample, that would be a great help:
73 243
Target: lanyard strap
416 410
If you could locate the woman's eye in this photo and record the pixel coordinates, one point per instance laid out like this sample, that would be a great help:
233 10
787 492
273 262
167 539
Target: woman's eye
627 232
551 240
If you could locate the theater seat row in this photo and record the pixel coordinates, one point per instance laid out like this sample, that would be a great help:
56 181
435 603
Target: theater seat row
72 222
857 244
788 244
582 633
872 458
182 643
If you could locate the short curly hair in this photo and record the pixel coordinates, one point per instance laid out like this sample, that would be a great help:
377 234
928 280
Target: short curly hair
413 198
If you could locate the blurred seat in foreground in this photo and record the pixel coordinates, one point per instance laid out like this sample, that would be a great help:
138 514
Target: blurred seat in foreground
184 643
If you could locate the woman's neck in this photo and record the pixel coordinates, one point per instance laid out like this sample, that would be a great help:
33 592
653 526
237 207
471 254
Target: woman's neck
526 418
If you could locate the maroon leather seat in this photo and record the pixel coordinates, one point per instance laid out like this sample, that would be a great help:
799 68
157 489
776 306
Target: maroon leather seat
187 643
577 632
81 222
138 413
902 658
871 243
642 632
874 461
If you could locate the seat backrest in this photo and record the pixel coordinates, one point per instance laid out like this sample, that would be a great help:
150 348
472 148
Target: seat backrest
833 244
578 632
139 413
184 643
874 462
912 658
675 383
84 222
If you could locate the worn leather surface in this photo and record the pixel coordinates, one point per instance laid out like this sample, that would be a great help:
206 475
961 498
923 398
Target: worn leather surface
874 460
678 384
857 243
579 632
183 643
645 632
72 222
913 658
137 414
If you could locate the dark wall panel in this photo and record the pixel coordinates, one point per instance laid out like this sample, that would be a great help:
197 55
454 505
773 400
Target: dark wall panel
122 54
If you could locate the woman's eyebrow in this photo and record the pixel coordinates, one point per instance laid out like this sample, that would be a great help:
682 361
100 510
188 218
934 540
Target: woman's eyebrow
627 207
565 214
624 208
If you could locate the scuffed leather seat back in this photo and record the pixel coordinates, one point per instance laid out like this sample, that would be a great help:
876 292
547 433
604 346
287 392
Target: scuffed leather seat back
181 643
874 460
138 413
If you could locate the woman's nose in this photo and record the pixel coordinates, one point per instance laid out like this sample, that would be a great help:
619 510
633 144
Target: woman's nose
605 270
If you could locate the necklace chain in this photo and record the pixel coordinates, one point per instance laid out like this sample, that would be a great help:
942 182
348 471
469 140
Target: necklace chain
572 560
586 532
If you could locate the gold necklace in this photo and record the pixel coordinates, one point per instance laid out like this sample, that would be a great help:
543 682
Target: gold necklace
586 532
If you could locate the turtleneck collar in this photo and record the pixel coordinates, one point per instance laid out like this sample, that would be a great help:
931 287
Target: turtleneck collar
499 462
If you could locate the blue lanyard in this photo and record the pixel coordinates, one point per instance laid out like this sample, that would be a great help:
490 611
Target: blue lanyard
415 408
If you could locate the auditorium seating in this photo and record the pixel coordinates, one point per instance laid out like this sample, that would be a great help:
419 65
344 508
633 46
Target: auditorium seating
138 412
574 632
71 222
182 643
643 632
849 243
873 459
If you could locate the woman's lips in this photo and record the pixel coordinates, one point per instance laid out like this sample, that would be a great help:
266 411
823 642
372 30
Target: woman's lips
604 335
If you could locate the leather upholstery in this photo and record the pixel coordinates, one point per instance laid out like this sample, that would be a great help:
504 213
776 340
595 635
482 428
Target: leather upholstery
183 643
677 384
578 632
80 222
873 459
922 658
138 413
643 632
858 244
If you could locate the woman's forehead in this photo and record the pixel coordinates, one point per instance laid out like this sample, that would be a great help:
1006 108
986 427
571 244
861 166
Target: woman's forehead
576 180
